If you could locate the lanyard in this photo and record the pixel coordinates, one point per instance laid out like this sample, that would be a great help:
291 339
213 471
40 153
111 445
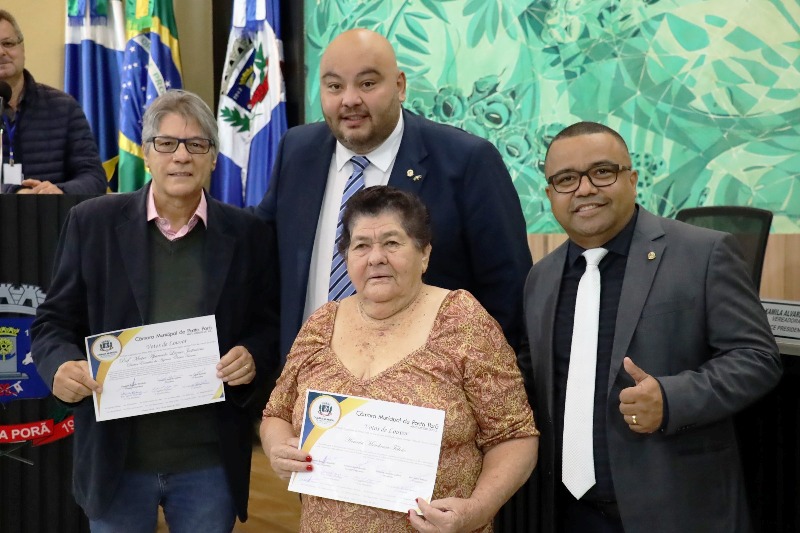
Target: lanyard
10 129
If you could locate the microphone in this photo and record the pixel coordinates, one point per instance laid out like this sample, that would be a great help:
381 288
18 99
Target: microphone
5 96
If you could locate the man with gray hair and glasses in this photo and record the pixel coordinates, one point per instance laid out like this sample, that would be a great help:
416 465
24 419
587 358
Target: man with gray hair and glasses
166 252
48 147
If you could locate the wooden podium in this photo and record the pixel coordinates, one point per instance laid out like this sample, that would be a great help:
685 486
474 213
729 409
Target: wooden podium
35 439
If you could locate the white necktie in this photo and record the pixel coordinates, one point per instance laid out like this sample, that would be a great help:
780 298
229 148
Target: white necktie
577 471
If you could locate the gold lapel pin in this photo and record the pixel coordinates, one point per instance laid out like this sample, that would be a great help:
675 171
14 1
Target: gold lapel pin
417 177
651 255
409 172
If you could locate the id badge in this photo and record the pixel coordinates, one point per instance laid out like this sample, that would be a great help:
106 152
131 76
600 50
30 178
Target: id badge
12 174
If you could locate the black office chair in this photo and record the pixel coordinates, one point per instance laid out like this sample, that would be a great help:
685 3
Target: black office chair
749 225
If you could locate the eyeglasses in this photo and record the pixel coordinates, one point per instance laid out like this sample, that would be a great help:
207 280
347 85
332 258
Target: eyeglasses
9 44
169 145
599 176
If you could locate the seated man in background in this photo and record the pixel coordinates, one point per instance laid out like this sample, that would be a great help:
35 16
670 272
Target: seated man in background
638 365
48 147
163 253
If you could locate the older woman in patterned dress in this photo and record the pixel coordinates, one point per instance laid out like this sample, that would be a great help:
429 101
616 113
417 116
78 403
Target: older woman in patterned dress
398 339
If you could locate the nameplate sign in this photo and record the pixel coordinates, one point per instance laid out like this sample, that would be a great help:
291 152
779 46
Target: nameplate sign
784 318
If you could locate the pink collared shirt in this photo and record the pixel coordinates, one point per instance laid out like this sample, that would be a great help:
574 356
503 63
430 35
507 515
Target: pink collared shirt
163 224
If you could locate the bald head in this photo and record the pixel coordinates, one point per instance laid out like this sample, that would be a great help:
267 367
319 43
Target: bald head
360 42
361 89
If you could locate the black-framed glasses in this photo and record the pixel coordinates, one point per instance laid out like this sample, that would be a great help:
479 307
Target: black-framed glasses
169 145
599 176
10 44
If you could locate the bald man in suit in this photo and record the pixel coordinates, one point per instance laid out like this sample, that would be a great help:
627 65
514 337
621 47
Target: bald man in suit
478 228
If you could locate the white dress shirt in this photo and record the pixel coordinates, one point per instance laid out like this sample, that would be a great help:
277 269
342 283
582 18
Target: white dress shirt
381 162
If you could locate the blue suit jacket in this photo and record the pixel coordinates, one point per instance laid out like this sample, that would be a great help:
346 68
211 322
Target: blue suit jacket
479 238
689 316
101 284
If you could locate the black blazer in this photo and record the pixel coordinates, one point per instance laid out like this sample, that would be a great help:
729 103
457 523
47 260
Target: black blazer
479 238
100 284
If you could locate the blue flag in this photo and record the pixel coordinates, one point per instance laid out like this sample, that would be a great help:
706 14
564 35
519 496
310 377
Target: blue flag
95 38
252 104
151 66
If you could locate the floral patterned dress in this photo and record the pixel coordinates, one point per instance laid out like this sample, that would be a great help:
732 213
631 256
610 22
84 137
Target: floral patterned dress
465 368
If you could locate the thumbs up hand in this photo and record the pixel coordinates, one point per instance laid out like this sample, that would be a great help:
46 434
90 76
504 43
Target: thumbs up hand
642 405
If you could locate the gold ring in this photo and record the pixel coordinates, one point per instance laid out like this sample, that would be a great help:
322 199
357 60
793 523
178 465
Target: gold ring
633 418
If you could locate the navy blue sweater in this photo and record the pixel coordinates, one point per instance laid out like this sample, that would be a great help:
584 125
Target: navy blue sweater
53 141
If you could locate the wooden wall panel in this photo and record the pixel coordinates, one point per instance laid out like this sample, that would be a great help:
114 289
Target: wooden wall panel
781 274
780 280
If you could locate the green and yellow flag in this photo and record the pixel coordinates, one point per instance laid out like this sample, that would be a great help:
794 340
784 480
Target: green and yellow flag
150 67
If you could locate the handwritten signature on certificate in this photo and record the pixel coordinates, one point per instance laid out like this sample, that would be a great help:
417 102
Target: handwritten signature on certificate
370 452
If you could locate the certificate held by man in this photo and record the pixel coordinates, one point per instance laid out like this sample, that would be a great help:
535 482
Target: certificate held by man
369 452
157 367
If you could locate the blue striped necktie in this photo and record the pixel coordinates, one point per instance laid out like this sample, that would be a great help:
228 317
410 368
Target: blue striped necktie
340 286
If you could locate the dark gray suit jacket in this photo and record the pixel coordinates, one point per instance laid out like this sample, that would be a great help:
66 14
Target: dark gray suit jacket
691 318
101 284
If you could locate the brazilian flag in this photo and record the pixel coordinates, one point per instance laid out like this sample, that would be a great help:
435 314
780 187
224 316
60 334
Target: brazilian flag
151 66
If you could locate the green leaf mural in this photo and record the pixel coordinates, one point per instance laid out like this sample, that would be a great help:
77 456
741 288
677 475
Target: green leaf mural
706 92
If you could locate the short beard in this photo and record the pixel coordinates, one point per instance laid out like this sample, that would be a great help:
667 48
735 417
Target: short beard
360 148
